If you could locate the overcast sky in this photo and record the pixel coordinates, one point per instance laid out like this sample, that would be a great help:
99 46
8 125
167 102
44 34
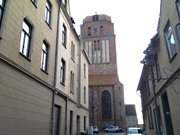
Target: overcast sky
135 24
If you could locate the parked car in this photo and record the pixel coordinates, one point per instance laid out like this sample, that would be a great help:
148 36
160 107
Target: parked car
93 130
113 129
134 131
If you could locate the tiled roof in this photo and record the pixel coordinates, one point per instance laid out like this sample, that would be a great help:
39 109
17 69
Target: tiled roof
102 79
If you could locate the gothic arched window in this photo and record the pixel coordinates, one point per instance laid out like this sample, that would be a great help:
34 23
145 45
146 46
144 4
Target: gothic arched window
106 105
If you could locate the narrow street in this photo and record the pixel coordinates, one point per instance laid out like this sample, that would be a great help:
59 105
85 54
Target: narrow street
112 134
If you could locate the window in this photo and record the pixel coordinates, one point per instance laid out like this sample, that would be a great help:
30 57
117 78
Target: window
84 123
56 119
72 82
71 123
167 114
62 71
88 48
72 51
95 30
157 120
147 87
89 31
25 39
178 33
65 3
84 95
44 57
48 12
101 29
178 6
84 70
64 35
170 41
34 2
78 125
95 18
2 6
97 52
106 105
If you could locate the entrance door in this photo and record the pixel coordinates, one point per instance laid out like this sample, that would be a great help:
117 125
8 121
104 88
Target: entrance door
78 125
167 114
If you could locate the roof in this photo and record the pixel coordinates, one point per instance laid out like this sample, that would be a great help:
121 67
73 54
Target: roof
101 17
130 110
103 79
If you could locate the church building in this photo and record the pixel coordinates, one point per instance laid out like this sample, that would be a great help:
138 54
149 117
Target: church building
106 94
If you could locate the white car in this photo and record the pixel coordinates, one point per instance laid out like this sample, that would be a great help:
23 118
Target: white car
134 131
93 130
112 129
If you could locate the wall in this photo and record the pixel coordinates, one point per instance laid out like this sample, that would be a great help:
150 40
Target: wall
25 104
15 12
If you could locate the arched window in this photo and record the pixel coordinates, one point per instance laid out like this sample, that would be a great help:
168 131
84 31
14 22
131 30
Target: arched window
106 105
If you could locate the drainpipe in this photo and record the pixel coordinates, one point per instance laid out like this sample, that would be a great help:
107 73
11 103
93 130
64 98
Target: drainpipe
80 53
66 117
55 65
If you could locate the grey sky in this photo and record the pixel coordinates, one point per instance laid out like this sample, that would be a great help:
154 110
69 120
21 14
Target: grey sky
135 23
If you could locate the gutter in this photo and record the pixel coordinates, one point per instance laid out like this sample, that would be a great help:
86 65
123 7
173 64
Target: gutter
79 94
55 65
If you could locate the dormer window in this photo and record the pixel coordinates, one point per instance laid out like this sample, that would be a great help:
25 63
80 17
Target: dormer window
95 18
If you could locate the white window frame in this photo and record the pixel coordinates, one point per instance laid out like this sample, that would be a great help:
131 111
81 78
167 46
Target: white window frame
64 35
25 39
178 7
170 41
63 72
44 57
178 34
2 7
72 51
71 82
34 2
48 10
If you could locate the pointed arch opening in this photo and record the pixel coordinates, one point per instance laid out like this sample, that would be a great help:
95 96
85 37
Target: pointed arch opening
106 105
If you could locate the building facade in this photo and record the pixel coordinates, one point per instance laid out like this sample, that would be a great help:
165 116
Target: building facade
131 116
42 87
106 95
72 73
160 79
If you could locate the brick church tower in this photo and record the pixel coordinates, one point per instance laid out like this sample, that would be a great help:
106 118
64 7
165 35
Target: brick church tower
106 95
